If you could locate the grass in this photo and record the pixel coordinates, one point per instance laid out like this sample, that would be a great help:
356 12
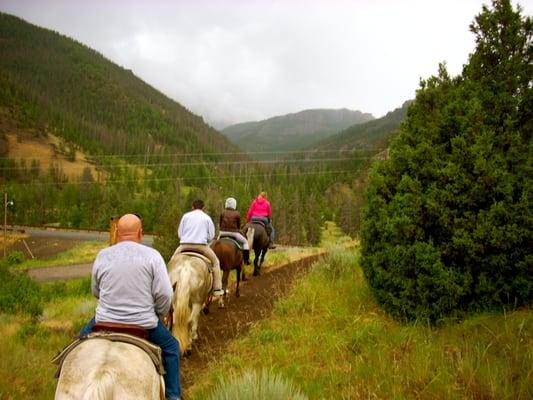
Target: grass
327 339
11 238
27 347
331 340
82 253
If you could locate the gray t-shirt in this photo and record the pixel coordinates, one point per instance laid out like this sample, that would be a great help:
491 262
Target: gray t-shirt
131 284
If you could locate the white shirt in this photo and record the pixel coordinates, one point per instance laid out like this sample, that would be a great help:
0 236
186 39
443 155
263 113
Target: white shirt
196 227
131 283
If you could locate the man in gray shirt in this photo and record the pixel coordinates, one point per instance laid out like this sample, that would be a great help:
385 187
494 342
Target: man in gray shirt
131 284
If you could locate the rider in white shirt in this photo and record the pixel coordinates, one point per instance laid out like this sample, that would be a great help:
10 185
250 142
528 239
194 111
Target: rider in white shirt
196 230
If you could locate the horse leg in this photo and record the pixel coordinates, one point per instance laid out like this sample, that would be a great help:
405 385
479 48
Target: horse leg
238 273
225 276
195 314
263 254
256 263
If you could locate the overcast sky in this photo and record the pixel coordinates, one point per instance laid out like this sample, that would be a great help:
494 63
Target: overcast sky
243 60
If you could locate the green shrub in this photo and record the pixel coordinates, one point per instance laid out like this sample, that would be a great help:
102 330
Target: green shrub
254 386
448 225
15 257
19 294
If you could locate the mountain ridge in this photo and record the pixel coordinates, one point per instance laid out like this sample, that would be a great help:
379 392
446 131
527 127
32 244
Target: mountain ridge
294 130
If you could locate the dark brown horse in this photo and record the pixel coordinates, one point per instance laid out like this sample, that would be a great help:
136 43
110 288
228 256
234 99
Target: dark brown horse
230 257
260 244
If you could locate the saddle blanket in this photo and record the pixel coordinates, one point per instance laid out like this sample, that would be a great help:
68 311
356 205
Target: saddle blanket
231 239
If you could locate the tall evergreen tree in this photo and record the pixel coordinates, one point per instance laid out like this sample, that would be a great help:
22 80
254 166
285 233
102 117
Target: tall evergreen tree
448 226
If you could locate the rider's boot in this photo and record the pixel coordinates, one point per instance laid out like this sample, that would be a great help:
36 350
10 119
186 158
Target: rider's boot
246 256
217 281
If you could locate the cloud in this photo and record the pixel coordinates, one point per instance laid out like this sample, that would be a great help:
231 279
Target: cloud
235 60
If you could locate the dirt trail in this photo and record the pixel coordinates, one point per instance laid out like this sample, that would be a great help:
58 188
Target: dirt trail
220 326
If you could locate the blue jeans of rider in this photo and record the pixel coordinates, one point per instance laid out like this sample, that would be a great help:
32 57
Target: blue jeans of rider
171 356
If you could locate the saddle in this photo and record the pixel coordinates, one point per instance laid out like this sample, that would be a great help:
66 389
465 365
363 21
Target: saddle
258 222
195 253
130 329
231 239
152 350
267 227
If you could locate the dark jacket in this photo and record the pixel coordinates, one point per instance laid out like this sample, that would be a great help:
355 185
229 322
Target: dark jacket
230 220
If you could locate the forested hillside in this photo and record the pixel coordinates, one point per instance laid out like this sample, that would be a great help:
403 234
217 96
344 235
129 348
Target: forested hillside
292 131
109 112
135 150
373 134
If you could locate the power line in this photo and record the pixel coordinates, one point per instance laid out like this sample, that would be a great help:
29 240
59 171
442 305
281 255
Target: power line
148 155
125 181
199 163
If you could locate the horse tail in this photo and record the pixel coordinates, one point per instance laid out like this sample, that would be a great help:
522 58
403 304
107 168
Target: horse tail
182 312
101 386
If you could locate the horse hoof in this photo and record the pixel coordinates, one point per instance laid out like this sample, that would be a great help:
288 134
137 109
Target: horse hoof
221 303
256 273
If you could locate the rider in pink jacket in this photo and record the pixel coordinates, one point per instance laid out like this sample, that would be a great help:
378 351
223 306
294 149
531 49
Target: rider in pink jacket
261 209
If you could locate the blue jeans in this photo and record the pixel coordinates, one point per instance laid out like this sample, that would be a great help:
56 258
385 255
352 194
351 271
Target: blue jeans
267 222
171 355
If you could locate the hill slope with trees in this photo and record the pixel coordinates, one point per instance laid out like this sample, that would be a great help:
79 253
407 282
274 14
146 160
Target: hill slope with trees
373 134
292 131
51 83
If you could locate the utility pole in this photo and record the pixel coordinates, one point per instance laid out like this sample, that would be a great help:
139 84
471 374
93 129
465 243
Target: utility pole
6 203
5 223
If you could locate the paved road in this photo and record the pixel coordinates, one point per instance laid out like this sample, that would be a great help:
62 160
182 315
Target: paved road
60 273
72 234
69 271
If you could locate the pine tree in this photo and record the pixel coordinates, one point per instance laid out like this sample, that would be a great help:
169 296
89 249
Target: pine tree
448 225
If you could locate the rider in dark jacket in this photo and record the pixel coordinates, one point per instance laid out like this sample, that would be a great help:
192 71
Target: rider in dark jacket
230 225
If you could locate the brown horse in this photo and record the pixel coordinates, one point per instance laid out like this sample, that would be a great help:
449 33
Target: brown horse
230 257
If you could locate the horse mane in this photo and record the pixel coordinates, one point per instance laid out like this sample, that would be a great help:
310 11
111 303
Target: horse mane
101 386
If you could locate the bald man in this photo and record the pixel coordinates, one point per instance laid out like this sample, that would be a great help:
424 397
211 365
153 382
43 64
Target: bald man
131 284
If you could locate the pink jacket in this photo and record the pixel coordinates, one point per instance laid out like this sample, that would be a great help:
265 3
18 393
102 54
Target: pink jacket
259 208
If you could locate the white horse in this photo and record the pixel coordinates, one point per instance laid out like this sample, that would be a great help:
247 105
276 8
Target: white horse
99 369
192 282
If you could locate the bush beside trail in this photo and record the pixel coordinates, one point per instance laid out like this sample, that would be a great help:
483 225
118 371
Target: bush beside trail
448 226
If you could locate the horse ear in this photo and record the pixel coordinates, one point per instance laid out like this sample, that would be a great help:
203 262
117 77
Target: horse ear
174 286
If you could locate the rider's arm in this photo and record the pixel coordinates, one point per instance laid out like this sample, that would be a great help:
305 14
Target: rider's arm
95 278
210 230
180 228
161 288
249 213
